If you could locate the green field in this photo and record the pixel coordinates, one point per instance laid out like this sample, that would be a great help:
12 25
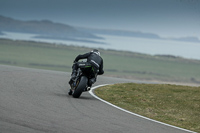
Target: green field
116 63
173 104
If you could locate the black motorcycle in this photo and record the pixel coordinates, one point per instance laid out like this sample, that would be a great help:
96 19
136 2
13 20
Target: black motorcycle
82 83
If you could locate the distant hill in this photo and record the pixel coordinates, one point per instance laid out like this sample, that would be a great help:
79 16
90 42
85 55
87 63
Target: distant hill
187 39
121 33
44 28
51 30
137 34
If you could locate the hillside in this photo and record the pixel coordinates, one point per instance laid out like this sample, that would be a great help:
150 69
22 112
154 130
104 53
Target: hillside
47 29
121 33
44 29
137 34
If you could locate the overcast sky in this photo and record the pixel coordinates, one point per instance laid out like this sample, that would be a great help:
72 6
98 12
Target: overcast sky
167 18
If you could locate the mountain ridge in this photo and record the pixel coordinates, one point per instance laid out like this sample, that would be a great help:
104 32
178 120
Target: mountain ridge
43 27
137 34
48 29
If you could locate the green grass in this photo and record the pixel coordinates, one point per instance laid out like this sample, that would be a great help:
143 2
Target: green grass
172 104
148 67
37 55
116 63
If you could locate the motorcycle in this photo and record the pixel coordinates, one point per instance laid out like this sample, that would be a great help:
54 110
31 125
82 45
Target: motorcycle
82 83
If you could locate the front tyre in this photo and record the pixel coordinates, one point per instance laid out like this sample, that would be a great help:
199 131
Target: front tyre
81 87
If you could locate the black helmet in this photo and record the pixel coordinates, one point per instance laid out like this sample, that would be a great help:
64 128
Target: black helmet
96 52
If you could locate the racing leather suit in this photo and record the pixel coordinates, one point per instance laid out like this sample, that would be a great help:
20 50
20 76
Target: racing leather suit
95 60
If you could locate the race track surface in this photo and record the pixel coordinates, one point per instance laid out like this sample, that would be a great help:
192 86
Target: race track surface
36 101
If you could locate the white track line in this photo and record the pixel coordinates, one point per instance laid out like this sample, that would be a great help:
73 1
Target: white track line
93 88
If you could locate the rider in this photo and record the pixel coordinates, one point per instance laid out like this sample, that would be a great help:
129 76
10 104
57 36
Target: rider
93 59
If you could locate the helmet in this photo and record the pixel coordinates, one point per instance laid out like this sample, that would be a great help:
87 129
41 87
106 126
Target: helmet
96 52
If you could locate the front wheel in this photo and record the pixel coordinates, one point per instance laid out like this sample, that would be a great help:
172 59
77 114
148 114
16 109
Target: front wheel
81 87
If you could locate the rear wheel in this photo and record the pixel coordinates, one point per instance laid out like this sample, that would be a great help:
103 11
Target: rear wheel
81 87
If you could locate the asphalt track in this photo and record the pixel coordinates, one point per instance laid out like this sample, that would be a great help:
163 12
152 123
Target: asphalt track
36 101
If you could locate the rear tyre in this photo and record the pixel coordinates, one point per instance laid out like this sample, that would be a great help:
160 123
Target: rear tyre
81 87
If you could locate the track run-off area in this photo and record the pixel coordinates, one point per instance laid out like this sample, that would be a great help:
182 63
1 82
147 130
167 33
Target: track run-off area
37 101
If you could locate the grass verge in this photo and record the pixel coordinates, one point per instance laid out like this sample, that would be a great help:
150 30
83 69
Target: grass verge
173 104
121 64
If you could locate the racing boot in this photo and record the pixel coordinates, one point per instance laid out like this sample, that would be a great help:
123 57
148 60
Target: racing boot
70 92
73 75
